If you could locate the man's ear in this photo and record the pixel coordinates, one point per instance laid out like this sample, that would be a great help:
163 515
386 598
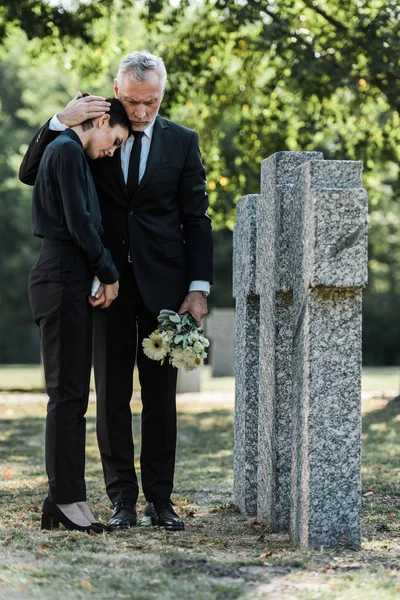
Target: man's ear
116 90
103 120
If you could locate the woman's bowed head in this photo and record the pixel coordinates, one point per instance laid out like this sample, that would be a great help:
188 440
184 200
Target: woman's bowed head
101 136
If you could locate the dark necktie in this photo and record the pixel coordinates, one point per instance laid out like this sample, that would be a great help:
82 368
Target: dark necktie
134 162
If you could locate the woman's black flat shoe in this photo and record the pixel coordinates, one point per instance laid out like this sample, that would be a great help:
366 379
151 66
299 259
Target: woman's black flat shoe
52 516
101 526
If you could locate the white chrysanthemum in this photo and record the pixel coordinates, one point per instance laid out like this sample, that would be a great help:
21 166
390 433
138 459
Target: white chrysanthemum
204 341
178 364
177 353
167 337
197 347
176 357
153 346
192 361
193 337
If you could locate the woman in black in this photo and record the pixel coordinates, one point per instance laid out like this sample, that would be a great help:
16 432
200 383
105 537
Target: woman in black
66 214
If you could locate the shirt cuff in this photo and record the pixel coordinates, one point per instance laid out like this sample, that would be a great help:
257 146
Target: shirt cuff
200 286
56 125
95 286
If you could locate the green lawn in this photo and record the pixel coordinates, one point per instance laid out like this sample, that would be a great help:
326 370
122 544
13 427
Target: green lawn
221 555
30 378
383 380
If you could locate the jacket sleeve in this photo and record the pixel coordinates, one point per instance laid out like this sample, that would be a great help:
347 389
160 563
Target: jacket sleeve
71 173
31 161
196 224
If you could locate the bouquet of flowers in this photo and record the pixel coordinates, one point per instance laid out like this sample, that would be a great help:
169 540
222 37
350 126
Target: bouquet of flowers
179 339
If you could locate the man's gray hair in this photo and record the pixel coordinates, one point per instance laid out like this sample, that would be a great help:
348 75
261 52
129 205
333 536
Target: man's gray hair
138 63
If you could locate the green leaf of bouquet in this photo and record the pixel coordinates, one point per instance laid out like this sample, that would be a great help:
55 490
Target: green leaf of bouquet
175 318
178 339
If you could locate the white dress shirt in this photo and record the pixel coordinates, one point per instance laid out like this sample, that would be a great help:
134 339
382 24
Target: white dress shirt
126 148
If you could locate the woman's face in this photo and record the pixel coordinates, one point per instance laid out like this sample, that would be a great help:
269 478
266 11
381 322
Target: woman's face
105 139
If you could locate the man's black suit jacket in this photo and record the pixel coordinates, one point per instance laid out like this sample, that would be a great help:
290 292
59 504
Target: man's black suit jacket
164 224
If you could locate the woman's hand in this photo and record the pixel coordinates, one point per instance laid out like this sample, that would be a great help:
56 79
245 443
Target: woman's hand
99 298
110 293
105 295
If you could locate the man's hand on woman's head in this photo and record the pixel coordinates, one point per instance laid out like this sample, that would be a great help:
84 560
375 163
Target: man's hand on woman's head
81 108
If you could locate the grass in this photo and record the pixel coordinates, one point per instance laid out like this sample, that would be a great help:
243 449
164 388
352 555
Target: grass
29 378
382 380
221 555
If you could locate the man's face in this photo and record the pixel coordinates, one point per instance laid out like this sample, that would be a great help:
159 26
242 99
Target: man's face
105 139
141 99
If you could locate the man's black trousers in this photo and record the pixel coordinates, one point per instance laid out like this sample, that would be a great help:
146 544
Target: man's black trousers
59 286
118 334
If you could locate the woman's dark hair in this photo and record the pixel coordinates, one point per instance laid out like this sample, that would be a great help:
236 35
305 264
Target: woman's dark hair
118 115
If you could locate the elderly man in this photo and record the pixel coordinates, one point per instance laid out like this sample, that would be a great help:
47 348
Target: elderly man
153 200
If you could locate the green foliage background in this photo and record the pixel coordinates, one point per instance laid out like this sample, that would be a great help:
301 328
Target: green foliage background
252 77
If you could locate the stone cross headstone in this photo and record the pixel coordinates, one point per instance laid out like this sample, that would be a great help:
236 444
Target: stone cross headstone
246 355
330 268
275 278
188 382
220 329
274 285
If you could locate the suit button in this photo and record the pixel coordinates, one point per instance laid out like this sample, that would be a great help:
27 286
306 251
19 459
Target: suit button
130 212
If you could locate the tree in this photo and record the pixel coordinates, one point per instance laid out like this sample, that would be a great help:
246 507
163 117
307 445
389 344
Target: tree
252 77
50 23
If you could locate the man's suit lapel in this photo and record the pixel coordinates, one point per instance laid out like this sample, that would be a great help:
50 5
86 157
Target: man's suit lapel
157 149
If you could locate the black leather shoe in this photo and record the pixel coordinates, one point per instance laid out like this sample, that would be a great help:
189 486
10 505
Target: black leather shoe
163 515
124 514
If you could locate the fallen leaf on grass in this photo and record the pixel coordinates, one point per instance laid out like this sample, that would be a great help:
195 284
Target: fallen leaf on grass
91 532
8 540
136 547
254 525
43 548
7 474
368 494
391 516
265 554
87 585
190 514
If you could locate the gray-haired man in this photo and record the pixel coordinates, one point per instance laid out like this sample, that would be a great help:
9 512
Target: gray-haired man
153 201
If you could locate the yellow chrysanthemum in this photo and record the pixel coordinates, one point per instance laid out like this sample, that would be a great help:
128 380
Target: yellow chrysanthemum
153 347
